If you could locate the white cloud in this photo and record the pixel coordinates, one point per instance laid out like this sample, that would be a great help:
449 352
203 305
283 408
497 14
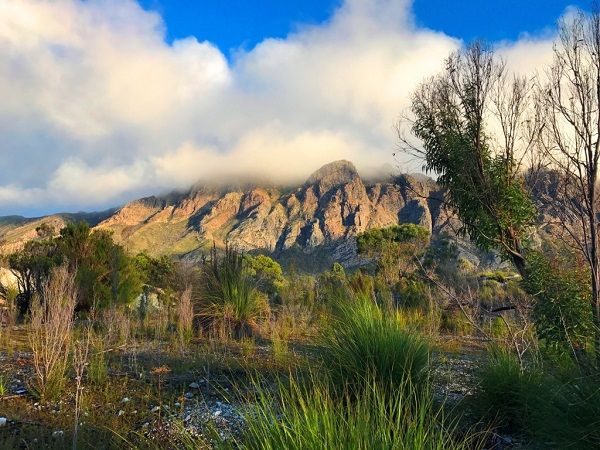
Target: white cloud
97 108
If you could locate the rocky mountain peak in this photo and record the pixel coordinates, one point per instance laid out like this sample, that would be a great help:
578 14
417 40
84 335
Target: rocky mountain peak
332 175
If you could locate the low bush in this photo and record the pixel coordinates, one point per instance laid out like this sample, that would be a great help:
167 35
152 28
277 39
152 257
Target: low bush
50 333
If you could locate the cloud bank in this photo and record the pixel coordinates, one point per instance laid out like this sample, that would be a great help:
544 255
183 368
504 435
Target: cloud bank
97 108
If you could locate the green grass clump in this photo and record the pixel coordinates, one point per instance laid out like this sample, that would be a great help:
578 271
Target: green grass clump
551 405
231 297
366 343
505 390
313 416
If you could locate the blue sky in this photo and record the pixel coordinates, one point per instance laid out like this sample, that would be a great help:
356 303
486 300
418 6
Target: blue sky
105 101
235 24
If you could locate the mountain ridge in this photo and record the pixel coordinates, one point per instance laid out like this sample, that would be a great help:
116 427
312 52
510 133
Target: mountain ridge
316 220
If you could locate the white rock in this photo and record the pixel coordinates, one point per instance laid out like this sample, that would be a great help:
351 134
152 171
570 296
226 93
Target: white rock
125 400
194 385
189 395
217 413
3 421
120 413
155 409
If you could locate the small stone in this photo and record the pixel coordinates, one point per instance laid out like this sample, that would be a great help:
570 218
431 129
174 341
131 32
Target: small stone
120 413
146 425
155 409
189 395
194 385
125 400
177 404
217 413
3 421
187 418
58 433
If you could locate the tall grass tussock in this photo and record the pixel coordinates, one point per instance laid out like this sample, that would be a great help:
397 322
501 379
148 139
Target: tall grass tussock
231 298
366 343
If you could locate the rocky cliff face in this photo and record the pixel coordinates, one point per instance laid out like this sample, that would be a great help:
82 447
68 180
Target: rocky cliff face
317 221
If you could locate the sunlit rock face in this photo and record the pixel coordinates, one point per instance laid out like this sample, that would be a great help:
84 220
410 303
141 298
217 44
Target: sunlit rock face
315 222
318 219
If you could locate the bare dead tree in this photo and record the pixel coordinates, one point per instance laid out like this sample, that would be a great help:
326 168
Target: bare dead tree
571 137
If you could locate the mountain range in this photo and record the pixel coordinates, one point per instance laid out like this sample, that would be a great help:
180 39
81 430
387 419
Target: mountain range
312 224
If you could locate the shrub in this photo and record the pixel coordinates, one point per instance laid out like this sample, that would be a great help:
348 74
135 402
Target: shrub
455 322
231 297
51 332
364 344
562 312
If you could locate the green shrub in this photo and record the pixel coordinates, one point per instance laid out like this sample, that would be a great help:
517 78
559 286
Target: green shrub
365 343
562 311
414 293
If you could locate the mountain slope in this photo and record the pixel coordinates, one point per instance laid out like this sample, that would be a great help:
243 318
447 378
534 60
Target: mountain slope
316 221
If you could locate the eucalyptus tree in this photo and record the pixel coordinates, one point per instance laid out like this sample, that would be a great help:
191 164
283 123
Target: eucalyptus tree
478 128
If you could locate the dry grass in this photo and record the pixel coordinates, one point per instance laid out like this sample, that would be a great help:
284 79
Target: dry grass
51 332
185 317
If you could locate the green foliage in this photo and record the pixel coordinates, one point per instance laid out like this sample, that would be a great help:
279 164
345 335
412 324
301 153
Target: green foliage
377 238
567 413
98 366
455 322
266 272
394 249
506 393
484 187
296 416
32 266
105 274
156 272
365 344
554 406
562 311
414 293
231 297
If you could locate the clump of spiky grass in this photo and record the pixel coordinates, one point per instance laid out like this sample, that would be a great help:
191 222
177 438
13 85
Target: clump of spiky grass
50 332
311 415
366 343
231 298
